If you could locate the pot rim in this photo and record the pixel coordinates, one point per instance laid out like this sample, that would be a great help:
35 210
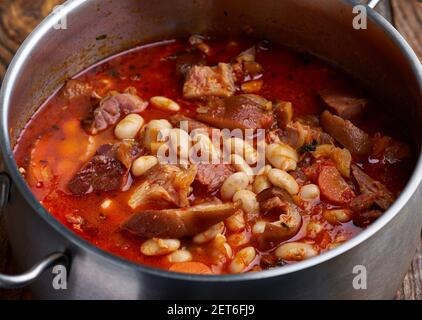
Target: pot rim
11 166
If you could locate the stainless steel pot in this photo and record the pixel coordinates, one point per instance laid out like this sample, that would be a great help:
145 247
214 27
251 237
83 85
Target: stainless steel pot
378 56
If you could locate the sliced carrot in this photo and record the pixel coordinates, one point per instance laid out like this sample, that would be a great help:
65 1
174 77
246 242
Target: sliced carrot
191 267
333 187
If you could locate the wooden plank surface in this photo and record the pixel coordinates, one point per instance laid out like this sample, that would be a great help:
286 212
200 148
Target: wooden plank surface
408 20
407 17
19 17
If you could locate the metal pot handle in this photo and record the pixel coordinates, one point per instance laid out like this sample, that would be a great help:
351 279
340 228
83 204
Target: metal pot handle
26 278
373 3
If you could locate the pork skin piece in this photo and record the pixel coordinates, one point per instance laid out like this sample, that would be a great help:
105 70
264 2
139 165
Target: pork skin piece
203 81
186 60
210 177
192 124
178 223
111 109
383 197
107 170
76 89
164 186
245 111
102 173
343 103
347 134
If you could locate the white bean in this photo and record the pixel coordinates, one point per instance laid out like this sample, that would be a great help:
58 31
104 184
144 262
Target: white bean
106 204
152 133
204 146
334 245
282 179
129 126
313 228
267 169
248 199
241 165
141 165
259 227
309 192
229 251
242 260
179 141
242 148
238 239
282 149
158 247
209 234
337 216
221 247
182 255
295 251
261 183
237 181
282 156
236 222
165 104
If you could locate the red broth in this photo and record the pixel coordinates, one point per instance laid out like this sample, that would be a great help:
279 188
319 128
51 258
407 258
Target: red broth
55 141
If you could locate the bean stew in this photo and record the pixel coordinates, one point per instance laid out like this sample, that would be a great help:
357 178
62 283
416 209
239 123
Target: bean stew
212 156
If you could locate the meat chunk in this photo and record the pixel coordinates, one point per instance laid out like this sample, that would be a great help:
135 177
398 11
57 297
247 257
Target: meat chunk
245 67
367 185
111 109
277 232
274 192
192 124
322 137
186 60
272 204
389 149
295 135
198 42
364 219
102 173
311 124
108 170
283 112
244 111
128 151
210 177
347 134
78 223
202 81
299 134
249 55
277 201
363 202
164 185
309 120
76 89
178 223
344 104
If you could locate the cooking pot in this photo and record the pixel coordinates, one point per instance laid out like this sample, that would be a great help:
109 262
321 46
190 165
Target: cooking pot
83 32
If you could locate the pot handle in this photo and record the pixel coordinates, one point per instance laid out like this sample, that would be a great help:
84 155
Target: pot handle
373 3
26 278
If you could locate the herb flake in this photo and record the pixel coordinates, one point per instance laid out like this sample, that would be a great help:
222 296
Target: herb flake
309 147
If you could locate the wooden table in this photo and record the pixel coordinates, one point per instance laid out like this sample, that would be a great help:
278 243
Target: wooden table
19 17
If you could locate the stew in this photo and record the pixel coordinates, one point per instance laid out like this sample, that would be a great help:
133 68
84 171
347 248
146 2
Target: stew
323 160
